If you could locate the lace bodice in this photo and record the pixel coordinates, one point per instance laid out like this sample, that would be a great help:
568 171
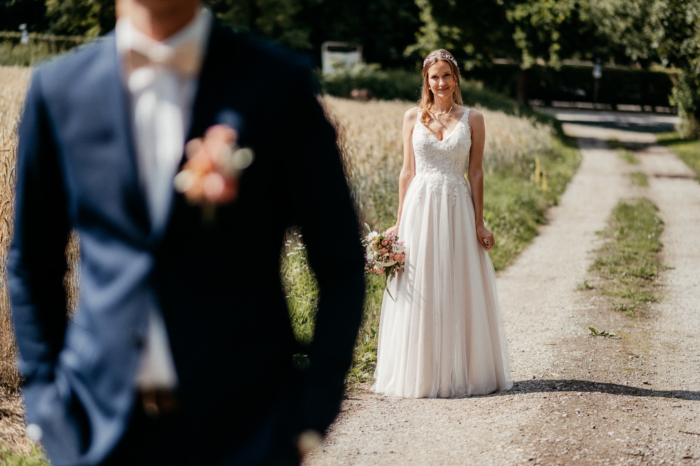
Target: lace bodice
442 162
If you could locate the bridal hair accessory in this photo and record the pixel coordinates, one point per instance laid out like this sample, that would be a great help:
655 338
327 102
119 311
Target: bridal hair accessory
440 55
214 164
384 255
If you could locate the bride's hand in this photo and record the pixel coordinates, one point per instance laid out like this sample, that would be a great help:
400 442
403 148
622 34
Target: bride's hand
485 237
393 230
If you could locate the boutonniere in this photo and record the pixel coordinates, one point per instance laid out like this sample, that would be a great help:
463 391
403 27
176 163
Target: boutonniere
214 165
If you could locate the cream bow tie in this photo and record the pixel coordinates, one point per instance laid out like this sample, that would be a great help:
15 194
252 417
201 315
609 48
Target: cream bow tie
186 60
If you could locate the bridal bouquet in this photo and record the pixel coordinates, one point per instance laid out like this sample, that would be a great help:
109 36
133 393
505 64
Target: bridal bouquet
384 254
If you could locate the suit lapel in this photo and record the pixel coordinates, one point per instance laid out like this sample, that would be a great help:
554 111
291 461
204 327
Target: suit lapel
112 95
215 81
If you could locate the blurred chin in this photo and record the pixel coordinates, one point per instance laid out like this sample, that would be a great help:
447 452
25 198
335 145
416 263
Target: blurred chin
165 5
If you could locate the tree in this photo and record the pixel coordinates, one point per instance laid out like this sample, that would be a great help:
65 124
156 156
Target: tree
522 31
274 19
674 35
383 27
80 17
666 31
16 12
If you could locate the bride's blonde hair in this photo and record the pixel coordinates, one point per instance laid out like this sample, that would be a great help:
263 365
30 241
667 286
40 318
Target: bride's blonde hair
427 99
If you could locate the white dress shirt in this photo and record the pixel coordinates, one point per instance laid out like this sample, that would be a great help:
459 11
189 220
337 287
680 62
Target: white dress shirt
161 80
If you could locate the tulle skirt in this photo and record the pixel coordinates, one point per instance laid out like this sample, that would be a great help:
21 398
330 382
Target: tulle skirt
443 335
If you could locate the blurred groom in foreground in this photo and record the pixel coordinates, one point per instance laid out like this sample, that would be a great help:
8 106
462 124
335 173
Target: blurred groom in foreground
181 350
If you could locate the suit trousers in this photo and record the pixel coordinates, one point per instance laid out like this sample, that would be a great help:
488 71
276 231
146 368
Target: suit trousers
164 440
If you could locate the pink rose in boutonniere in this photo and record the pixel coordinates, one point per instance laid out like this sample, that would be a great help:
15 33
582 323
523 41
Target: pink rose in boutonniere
214 165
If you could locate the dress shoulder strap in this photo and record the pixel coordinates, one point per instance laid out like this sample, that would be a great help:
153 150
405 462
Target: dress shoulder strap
465 119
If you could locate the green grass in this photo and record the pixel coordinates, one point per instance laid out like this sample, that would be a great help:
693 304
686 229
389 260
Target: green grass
515 205
301 289
623 152
23 55
628 264
628 156
688 150
35 458
640 179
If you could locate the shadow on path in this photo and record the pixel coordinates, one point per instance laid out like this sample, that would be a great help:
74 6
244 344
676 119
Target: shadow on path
637 126
572 385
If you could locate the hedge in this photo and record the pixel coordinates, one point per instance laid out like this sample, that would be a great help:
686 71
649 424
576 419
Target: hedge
404 85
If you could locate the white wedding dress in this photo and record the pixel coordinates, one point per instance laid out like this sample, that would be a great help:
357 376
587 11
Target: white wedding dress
443 336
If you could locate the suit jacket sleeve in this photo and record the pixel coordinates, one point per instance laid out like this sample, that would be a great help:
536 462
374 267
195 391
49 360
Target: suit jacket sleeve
37 260
324 210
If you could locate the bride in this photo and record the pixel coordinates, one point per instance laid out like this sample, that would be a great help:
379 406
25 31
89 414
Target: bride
443 336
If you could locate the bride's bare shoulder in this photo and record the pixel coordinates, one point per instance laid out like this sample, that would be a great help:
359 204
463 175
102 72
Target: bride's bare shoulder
475 119
409 118
411 113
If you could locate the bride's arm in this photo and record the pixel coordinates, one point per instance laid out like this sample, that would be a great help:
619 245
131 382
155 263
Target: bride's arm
476 177
408 170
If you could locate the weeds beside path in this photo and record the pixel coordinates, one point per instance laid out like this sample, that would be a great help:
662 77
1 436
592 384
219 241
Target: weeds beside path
688 150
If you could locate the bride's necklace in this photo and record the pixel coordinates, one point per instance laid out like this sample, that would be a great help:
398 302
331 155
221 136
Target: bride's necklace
447 114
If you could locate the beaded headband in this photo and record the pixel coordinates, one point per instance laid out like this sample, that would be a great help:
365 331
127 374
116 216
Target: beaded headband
440 55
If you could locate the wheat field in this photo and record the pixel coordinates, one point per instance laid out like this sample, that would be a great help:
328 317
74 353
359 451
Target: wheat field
370 137
13 82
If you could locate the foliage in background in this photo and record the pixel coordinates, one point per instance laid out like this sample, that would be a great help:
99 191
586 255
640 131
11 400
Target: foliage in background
382 27
89 18
674 32
688 150
274 19
29 12
399 84
397 33
519 30
667 31
629 263
24 55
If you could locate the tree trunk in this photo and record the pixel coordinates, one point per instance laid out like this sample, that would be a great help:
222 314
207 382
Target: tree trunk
522 88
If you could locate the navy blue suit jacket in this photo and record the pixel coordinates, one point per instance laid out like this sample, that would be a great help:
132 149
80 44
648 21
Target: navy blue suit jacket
218 286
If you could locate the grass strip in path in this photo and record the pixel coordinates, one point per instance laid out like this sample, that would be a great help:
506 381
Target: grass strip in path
688 150
622 151
628 156
629 262
640 179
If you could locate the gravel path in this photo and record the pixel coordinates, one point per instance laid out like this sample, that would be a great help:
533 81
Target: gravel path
577 399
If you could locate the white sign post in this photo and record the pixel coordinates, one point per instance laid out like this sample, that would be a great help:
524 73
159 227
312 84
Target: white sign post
24 39
334 54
